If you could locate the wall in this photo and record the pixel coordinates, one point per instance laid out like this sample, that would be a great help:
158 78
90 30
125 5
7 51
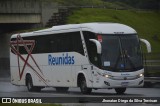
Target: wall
18 15
4 55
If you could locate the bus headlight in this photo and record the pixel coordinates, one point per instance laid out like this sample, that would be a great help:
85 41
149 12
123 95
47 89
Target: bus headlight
141 75
107 76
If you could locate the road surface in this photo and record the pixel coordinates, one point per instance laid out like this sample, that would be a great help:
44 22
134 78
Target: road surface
9 90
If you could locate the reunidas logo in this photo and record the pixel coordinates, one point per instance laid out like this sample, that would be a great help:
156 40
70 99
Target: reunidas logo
65 59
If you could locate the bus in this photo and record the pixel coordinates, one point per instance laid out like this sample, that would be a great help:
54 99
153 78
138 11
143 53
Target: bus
87 55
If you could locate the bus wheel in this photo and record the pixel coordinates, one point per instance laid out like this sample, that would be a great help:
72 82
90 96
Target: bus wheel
62 89
30 86
83 86
120 90
29 83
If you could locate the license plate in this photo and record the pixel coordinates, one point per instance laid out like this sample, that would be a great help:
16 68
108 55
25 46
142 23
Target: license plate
124 83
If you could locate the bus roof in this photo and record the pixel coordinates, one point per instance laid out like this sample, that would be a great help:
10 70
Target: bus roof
101 28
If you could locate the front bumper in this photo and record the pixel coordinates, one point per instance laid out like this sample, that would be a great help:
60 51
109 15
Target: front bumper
110 83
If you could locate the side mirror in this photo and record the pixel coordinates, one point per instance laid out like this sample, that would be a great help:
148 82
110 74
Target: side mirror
148 45
98 44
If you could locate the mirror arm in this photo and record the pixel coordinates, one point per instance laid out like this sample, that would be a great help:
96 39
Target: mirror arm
98 44
148 45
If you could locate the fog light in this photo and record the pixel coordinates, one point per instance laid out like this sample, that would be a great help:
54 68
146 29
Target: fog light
140 82
107 83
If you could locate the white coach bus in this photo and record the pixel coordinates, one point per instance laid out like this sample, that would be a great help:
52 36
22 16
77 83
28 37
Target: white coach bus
88 55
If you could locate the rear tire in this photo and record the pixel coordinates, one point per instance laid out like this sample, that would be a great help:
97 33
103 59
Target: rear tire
83 86
120 90
62 89
29 84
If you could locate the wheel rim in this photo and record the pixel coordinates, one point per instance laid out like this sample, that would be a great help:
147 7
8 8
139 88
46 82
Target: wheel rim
29 85
83 86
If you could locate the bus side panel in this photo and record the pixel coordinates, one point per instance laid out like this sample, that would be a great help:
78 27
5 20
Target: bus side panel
81 66
37 77
74 73
47 75
14 75
14 70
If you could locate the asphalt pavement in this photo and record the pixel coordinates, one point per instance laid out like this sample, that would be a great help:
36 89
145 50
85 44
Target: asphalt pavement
9 90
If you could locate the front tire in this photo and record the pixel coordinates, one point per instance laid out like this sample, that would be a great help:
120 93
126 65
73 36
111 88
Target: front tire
120 90
83 86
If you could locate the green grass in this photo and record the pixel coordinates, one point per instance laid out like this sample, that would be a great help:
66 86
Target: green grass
101 3
146 23
79 2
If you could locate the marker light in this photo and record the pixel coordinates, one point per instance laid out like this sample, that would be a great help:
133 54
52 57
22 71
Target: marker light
99 38
140 75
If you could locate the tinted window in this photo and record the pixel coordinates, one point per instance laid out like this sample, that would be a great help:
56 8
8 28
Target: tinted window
64 42
121 53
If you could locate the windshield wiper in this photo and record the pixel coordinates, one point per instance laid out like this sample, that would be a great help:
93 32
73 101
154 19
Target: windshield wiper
120 55
123 55
126 56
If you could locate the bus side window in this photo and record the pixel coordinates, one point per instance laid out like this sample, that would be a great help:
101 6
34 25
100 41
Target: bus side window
53 45
77 42
70 42
13 39
61 43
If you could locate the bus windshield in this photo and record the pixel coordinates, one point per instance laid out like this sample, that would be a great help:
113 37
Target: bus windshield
121 53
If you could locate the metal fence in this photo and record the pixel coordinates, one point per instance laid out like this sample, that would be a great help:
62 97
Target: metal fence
152 67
